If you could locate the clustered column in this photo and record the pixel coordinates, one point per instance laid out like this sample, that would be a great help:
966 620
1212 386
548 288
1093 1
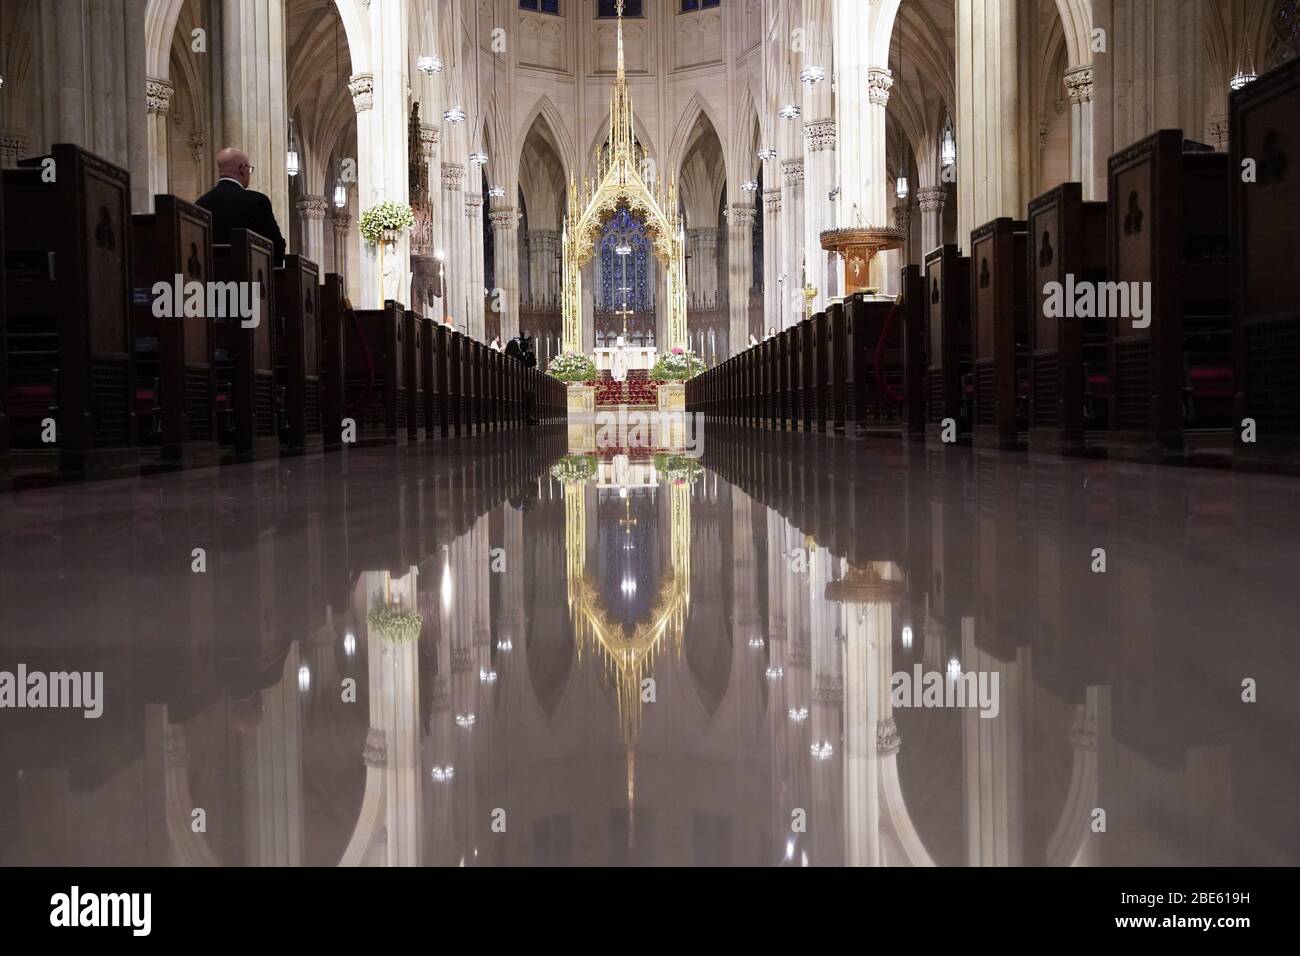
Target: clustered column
505 224
158 99
311 211
740 272
453 226
1078 83
819 168
789 282
931 199
771 258
474 325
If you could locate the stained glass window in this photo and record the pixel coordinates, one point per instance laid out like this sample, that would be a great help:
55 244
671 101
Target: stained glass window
609 8
689 5
625 279
541 6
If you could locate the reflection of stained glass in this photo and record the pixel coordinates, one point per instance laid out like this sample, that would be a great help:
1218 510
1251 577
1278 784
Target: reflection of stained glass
625 229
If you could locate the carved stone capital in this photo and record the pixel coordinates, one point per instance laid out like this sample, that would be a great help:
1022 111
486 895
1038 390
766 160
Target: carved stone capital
473 204
820 134
158 95
462 659
931 198
1220 130
198 143
503 219
342 222
772 200
313 207
430 136
792 172
1083 733
887 739
740 215
375 753
362 87
828 690
1078 83
453 175
902 216
879 83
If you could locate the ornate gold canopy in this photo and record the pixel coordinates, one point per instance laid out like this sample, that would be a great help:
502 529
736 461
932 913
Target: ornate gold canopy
621 184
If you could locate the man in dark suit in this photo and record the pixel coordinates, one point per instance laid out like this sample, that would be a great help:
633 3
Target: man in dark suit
234 206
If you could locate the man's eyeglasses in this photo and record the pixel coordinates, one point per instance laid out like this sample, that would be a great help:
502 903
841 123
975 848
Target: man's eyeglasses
250 168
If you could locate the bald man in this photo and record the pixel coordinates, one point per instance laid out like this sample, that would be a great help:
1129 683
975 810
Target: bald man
234 206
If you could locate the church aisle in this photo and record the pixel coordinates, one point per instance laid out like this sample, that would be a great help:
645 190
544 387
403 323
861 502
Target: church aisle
795 650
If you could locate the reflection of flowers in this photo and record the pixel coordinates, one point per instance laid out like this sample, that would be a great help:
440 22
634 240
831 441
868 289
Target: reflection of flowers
572 367
574 468
395 624
679 469
677 366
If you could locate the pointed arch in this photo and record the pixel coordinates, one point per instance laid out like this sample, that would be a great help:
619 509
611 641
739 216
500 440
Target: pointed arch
561 138
683 130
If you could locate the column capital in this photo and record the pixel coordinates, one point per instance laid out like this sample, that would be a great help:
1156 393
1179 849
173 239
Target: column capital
887 739
902 215
342 222
12 145
1078 83
740 214
820 134
158 95
362 87
772 200
504 219
453 175
473 204
198 140
1220 131
375 753
931 198
792 172
430 136
313 207
879 82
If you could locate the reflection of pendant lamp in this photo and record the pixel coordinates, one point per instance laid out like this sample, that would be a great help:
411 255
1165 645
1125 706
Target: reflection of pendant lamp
428 65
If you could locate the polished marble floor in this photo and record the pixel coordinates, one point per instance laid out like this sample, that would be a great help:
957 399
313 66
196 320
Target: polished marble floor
792 651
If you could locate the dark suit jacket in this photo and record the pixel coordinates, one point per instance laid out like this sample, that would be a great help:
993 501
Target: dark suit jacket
234 207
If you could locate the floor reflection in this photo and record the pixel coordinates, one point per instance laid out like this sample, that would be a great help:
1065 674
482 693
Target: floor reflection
494 653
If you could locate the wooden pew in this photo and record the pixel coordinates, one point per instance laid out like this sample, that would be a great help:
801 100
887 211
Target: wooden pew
947 274
999 332
792 362
413 344
1266 294
175 397
68 317
456 383
808 391
912 317
874 339
1168 226
298 355
374 396
6 472
767 379
245 357
1067 356
431 362
333 334
835 383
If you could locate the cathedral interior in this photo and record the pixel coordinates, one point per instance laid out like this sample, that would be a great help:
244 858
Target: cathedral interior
941 554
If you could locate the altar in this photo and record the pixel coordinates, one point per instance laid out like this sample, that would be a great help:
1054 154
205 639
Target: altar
638 357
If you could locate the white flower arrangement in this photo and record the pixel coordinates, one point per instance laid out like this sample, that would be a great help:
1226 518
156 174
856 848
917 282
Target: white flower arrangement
573 367
385 218
677 366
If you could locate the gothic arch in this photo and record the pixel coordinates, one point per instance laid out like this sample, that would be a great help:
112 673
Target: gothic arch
680 144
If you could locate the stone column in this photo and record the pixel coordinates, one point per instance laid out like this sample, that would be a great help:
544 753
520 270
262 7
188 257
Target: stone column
254 105
453 229
819 213
1219 132
340 223
204 172
505 226
542 247
931 199
863 95
989 147
789 282
771 260
158 100
13 147
474 326
709 241
311 211
1078 84
895 258
740 272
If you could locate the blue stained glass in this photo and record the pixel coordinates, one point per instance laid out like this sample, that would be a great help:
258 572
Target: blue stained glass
625 229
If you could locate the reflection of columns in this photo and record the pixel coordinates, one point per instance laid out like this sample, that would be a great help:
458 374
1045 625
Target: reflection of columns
453 230
158 99
505 225
740 271
931 199
1078 83
790 280
988 121
271 773
474 324
826 711
771 260
255 115
993 760
13 147
819 212
863 94
311 212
